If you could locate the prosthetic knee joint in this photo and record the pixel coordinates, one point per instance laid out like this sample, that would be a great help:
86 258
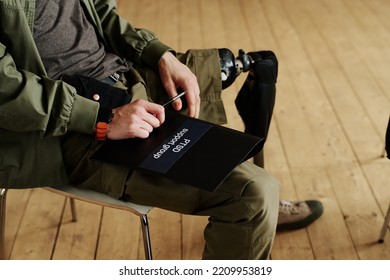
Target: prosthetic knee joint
232 66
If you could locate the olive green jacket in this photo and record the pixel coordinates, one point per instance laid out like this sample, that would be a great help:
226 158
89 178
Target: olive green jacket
35 111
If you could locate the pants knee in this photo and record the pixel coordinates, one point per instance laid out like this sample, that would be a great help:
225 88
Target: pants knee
262 197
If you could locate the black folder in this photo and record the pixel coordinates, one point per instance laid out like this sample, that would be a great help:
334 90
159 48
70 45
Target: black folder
184 149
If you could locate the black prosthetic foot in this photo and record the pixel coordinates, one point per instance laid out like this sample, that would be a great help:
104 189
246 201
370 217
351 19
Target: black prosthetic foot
256 99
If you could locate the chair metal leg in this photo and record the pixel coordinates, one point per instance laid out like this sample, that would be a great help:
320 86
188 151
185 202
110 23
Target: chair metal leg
384 227
146 236
73 209
3 196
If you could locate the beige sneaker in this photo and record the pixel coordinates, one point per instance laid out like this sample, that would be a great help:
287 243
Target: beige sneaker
298 214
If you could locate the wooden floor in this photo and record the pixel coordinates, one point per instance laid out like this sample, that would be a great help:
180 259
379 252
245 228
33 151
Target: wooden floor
325 143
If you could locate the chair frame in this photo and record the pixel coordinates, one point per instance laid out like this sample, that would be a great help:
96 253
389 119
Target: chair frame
3 197
89 196
386 152
383 232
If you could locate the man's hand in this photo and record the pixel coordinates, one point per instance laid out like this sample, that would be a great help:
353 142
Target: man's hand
175 74
135 120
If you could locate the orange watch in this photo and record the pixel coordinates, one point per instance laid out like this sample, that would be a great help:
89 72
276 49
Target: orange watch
102 126
101 131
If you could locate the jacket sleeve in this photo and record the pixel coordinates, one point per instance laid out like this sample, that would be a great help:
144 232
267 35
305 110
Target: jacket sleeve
29 102
140 46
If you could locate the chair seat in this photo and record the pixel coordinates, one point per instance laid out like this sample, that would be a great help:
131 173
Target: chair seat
99 198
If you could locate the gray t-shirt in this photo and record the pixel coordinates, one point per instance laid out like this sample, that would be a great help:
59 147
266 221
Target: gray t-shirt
67 42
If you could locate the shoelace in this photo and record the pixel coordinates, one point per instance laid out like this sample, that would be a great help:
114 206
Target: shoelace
288 207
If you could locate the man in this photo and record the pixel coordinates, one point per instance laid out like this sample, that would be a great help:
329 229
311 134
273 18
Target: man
48 131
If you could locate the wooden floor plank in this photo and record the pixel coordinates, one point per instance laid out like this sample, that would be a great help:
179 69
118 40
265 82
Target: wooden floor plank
78 239
377 174
341 92
120 236
17 202
303 106
359 207
166 234
38 231
372 38
326 244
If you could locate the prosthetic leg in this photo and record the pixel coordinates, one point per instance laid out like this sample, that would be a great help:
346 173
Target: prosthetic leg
255 103
256 99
